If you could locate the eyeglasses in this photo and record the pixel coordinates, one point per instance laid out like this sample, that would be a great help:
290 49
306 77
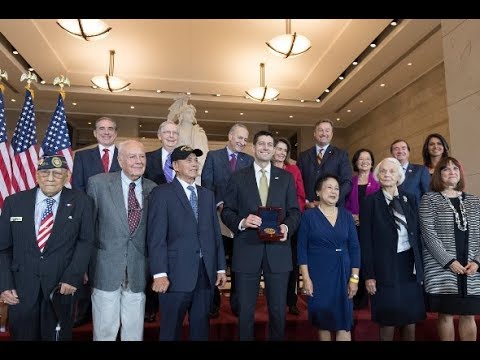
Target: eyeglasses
45 174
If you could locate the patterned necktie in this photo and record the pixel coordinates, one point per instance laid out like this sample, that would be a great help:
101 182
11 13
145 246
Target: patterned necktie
105 160
320 156
263 187
46 224
193 200
233 161
396 205
134 210
167 170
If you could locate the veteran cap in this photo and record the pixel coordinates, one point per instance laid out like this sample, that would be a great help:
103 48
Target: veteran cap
182 152
52 162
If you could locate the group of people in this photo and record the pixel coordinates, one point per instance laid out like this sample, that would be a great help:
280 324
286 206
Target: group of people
137 234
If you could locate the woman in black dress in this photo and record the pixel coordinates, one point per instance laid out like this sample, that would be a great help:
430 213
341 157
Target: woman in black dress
392 254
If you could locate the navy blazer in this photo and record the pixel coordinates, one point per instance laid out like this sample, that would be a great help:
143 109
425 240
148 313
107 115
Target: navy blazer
174 237
87 163
379 237
154 168
242 198
334 162
216 171
417 181
66 255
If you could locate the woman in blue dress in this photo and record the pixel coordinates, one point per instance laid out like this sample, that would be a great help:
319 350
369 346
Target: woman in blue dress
329 258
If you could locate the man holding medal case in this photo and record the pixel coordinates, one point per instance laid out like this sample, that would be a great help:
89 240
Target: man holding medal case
251 192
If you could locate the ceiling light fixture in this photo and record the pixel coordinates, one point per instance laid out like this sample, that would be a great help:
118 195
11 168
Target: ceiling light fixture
262 93
87 29
289 45
109 82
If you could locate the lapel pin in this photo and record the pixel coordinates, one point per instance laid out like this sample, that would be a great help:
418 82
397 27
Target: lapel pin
276 177
410 170
69 204
405 198
70 217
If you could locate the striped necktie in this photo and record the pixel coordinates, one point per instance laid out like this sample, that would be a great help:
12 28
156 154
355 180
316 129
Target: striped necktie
46 224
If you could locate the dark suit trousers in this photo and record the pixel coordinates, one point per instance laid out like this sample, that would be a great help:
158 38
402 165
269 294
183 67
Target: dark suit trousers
38 321
276 292
174 306
293 275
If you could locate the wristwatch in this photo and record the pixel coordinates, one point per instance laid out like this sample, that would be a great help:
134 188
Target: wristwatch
355 276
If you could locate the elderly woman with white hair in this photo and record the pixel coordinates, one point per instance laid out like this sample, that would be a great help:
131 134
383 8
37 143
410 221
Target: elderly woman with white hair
391 250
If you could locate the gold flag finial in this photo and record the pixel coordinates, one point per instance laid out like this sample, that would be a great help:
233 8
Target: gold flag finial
3 75
61 81
29 76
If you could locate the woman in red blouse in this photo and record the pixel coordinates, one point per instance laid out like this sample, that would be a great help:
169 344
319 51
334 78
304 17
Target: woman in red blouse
281 159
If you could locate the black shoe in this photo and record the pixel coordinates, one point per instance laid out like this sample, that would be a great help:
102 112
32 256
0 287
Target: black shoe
293 310
80 322
214 314
150 317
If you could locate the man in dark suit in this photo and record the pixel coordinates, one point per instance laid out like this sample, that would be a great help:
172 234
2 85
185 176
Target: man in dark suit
261 184
417 178
185 249
46 241
86 163
218 168
324 158
159 170
158 161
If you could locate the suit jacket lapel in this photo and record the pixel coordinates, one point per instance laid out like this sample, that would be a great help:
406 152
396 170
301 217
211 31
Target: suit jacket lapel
31 215
116 193
226 160
251 183
96 160
182 196
274 186
382 204
64 210
327 154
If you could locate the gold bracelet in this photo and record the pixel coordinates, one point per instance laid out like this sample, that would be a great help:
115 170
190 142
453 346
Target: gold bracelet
353 280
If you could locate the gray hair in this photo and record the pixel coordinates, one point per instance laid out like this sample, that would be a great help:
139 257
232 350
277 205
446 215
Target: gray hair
121 147
165 123
401 174
235 127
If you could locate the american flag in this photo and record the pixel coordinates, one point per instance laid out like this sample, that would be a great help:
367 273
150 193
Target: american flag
5 166
56 140
23 149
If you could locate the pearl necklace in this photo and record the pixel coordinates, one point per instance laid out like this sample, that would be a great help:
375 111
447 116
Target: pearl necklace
457 216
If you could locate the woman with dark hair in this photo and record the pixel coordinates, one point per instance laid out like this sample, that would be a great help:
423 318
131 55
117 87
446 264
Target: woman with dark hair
329 258
450 225
281 159
435 147
392 261
363 184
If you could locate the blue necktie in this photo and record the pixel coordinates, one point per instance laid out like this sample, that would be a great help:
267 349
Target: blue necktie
193 200
167 170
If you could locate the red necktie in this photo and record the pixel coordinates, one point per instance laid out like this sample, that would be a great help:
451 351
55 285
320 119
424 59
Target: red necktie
105 160
46 224
134 211
233 162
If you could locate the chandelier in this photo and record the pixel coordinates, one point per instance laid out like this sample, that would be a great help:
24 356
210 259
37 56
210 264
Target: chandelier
110 82
87 29
289 45
262 93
